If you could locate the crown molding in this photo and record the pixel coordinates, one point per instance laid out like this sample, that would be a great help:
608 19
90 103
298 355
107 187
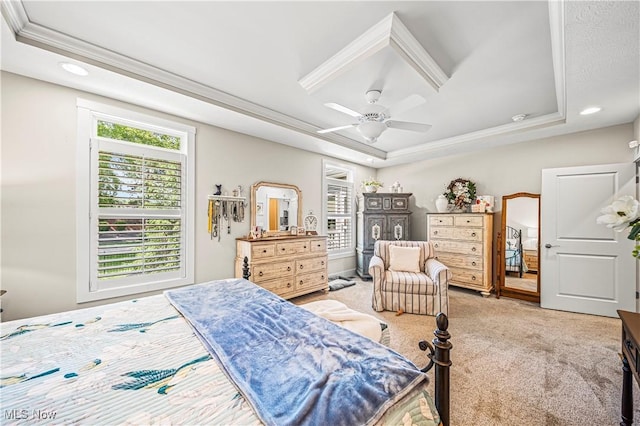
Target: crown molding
556 24
389 32
530 124
39 36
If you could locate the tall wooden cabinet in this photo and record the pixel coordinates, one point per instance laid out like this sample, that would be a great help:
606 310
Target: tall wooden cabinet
286 266
463 242
381 216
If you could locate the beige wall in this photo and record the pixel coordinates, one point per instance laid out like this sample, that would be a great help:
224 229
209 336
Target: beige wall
38 193
38 265
508 169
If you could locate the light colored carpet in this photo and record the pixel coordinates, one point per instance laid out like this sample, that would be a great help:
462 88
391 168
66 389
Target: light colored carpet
513 362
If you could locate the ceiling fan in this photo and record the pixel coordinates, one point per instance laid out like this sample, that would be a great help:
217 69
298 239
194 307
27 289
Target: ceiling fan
375 118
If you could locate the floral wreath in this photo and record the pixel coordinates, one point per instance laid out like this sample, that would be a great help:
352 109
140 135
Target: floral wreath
460 192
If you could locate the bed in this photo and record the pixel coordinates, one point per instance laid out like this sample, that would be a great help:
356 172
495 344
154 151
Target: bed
222 352
514 261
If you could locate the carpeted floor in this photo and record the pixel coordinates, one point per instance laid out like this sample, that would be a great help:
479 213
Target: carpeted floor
513 362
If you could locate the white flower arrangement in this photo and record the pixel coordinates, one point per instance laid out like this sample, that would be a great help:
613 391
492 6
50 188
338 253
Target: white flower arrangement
623 213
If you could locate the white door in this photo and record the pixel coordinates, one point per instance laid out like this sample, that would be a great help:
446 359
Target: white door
585 267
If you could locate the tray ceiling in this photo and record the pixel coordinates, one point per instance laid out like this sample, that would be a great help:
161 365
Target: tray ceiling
268 68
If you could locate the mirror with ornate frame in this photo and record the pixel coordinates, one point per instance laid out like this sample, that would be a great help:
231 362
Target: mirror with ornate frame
518 247
275 207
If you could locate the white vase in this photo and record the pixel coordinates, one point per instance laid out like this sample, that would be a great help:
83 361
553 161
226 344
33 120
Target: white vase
442 203
371 188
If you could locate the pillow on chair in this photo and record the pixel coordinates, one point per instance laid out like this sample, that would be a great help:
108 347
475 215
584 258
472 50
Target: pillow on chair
404 259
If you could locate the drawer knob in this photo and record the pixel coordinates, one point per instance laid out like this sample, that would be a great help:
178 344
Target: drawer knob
473 234
288 268
301 266
473 278
264 250
305 246
435 232
288 285
322 276
473 263
322 263
283 249
319 245
260 274
436 245
468 221
301 282
473 249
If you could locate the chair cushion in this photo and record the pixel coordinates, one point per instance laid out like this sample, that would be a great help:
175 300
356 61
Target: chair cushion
404 259
408 283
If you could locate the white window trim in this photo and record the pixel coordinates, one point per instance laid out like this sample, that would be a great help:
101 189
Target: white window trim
351 250
88 114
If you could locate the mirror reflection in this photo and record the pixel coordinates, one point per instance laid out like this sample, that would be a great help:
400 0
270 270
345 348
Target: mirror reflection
275 207
520 231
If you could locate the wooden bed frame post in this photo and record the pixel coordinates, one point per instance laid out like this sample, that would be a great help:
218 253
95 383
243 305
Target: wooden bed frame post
442 362
440 358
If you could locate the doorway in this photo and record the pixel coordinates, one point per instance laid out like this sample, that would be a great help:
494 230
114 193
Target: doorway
586 267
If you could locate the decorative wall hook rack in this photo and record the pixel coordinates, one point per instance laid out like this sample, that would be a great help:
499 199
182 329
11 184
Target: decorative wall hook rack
224 208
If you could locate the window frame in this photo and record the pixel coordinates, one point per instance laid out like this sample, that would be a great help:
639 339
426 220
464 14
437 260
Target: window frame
89 113
350 250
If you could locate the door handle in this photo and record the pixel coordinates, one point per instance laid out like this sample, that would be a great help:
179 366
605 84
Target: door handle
548 245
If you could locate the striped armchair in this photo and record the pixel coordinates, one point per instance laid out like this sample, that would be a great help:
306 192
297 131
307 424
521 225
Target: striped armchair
424 292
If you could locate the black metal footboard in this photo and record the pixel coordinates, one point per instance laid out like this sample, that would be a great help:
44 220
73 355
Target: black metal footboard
440 358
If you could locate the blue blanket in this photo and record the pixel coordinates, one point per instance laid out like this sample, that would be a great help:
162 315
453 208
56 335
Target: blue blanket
294 367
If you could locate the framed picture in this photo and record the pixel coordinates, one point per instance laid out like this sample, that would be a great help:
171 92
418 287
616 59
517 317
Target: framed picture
259 208
301 230
293 230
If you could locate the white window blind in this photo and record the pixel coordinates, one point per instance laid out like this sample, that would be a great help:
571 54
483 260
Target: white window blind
339 208
139 176
129 243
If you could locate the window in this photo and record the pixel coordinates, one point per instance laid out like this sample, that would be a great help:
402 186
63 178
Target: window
135 189
338 187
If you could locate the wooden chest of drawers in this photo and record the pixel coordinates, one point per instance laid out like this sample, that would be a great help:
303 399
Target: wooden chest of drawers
531 260
286 266
463 242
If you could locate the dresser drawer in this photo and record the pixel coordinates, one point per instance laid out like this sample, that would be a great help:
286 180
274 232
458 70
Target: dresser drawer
466 234
318 245
279 286
313 279
311 264
453 261
469 220
268 271
441 220
293 247
467 276
472 248
260 251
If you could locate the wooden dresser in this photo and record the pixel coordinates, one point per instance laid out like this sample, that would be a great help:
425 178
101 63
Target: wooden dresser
463 242
531 260
287 266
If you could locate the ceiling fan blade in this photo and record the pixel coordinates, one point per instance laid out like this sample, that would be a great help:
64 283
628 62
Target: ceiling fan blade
343 109
334 129
410 102
405 125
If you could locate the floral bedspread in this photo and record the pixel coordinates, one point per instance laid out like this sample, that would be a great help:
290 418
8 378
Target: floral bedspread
134 362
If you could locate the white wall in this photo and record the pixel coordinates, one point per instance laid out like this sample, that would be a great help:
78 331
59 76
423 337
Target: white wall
38 193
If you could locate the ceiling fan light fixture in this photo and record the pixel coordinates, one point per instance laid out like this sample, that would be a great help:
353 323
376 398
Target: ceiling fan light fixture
371 130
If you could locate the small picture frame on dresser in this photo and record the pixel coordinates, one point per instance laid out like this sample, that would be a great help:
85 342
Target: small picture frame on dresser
293 230
301 230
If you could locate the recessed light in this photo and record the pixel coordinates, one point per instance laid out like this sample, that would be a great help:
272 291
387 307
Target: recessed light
590 110
74 69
